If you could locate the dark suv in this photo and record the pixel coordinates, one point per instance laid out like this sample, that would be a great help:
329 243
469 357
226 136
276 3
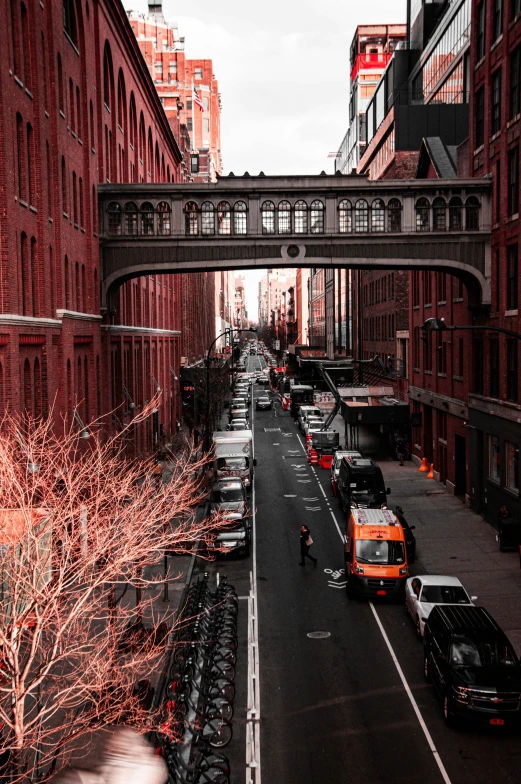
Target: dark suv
472 665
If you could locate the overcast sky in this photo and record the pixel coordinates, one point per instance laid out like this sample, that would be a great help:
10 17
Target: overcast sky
283 72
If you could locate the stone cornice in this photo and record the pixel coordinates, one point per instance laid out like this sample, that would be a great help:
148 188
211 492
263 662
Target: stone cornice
147 330
74 314
14 320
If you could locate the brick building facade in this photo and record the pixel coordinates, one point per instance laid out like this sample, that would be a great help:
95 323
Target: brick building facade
78 107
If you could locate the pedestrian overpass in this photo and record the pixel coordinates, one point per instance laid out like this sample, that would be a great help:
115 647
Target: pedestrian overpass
303 221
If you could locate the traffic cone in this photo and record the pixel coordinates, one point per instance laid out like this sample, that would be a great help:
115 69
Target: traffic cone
430 475
423 469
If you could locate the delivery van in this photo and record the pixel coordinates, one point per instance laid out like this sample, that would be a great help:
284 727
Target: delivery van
234 455
337 461
375 554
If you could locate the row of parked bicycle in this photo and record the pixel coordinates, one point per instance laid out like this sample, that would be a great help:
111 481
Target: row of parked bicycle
198 709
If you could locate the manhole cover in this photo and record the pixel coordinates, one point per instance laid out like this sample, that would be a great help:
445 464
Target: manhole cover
319 635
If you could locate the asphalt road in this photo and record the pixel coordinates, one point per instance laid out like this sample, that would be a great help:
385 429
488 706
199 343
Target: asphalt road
353 705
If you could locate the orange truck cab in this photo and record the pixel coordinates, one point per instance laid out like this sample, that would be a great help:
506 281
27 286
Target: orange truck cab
375 554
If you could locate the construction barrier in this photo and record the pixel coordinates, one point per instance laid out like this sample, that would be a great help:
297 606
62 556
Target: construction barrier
313 457
326 461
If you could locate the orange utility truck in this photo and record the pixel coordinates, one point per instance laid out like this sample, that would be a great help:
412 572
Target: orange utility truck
375 554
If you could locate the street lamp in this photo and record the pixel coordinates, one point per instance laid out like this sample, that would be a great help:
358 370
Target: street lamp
212 344
438 325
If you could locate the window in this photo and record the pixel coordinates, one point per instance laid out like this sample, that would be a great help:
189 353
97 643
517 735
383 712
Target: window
479 127
301 217
224 218
415 288
74 199
441 287
395 215
455 217
206 125
20 149
472 214
496 101
191 219
114 218
416 347
206 104
442 355
49 179
512 276
515 82
25 47
194 164
497 19
477 346
147 219
494 368
268 217
61 104
439 214
130 218
198 73
207 218
494 459
173 66
284 218
69 21
377 216
496 278
461 357
163 218
512 347
107 77
78 112
422 215
72 116
427 288
64 187
480 31
512 466
345 221
239 218
30 160
427 352
361 216
189 124
515 8
80 194
513 181
317 217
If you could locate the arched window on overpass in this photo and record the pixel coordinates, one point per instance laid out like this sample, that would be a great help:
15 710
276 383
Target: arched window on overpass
224 218
472 214
240 224
423 222
439 214
394 211
284 217
361 216
455 214
207 218
191 218
130 218
147 219
345 217
163 218
317 217
377 215
114 214
268 217
301 217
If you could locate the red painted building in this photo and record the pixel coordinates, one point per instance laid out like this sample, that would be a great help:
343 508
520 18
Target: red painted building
78 107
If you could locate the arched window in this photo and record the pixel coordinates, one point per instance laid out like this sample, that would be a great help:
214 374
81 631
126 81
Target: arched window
30 162
94 211
439 214
83 290
61 104
163 168
77 289
147 219
163 218
122 102
28 389
377 216
191 218
130 218
132 136
150 155
157 165
66 283
361 216
455 214
284 218
69 387
317 217
38 397
167 173
35 305
395 215
80 194
142 136
472 214
268 217
25 47
20 150
91 123
422 215
207 218
78 112
69 21
345 217
224 218
240 225
64 188
114 216
107 77
72 116
301 217
25 272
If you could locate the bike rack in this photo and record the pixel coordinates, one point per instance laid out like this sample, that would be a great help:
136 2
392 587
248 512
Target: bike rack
253 699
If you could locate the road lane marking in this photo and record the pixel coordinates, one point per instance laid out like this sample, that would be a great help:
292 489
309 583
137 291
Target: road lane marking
310 499
290 496
304 481
313 508
405 684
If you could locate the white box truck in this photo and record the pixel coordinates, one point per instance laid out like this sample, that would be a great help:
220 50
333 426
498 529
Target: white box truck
234 454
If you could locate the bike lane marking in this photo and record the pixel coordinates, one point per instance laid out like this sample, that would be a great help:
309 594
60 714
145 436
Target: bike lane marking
421 720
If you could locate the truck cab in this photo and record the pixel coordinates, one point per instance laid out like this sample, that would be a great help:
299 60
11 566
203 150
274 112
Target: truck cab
360 484
375 554
234 455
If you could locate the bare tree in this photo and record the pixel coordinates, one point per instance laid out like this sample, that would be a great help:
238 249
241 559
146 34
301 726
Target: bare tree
79 522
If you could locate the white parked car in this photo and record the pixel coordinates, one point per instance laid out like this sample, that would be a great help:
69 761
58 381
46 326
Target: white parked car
422 593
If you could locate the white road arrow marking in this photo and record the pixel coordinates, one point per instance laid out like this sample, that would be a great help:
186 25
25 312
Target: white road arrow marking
312 508
337 585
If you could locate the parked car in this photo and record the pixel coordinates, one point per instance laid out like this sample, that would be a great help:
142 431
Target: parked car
263 403
229 496
238 424
472 665
264 379
238 412
424 592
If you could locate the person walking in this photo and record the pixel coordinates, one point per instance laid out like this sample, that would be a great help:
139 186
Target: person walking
305 543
